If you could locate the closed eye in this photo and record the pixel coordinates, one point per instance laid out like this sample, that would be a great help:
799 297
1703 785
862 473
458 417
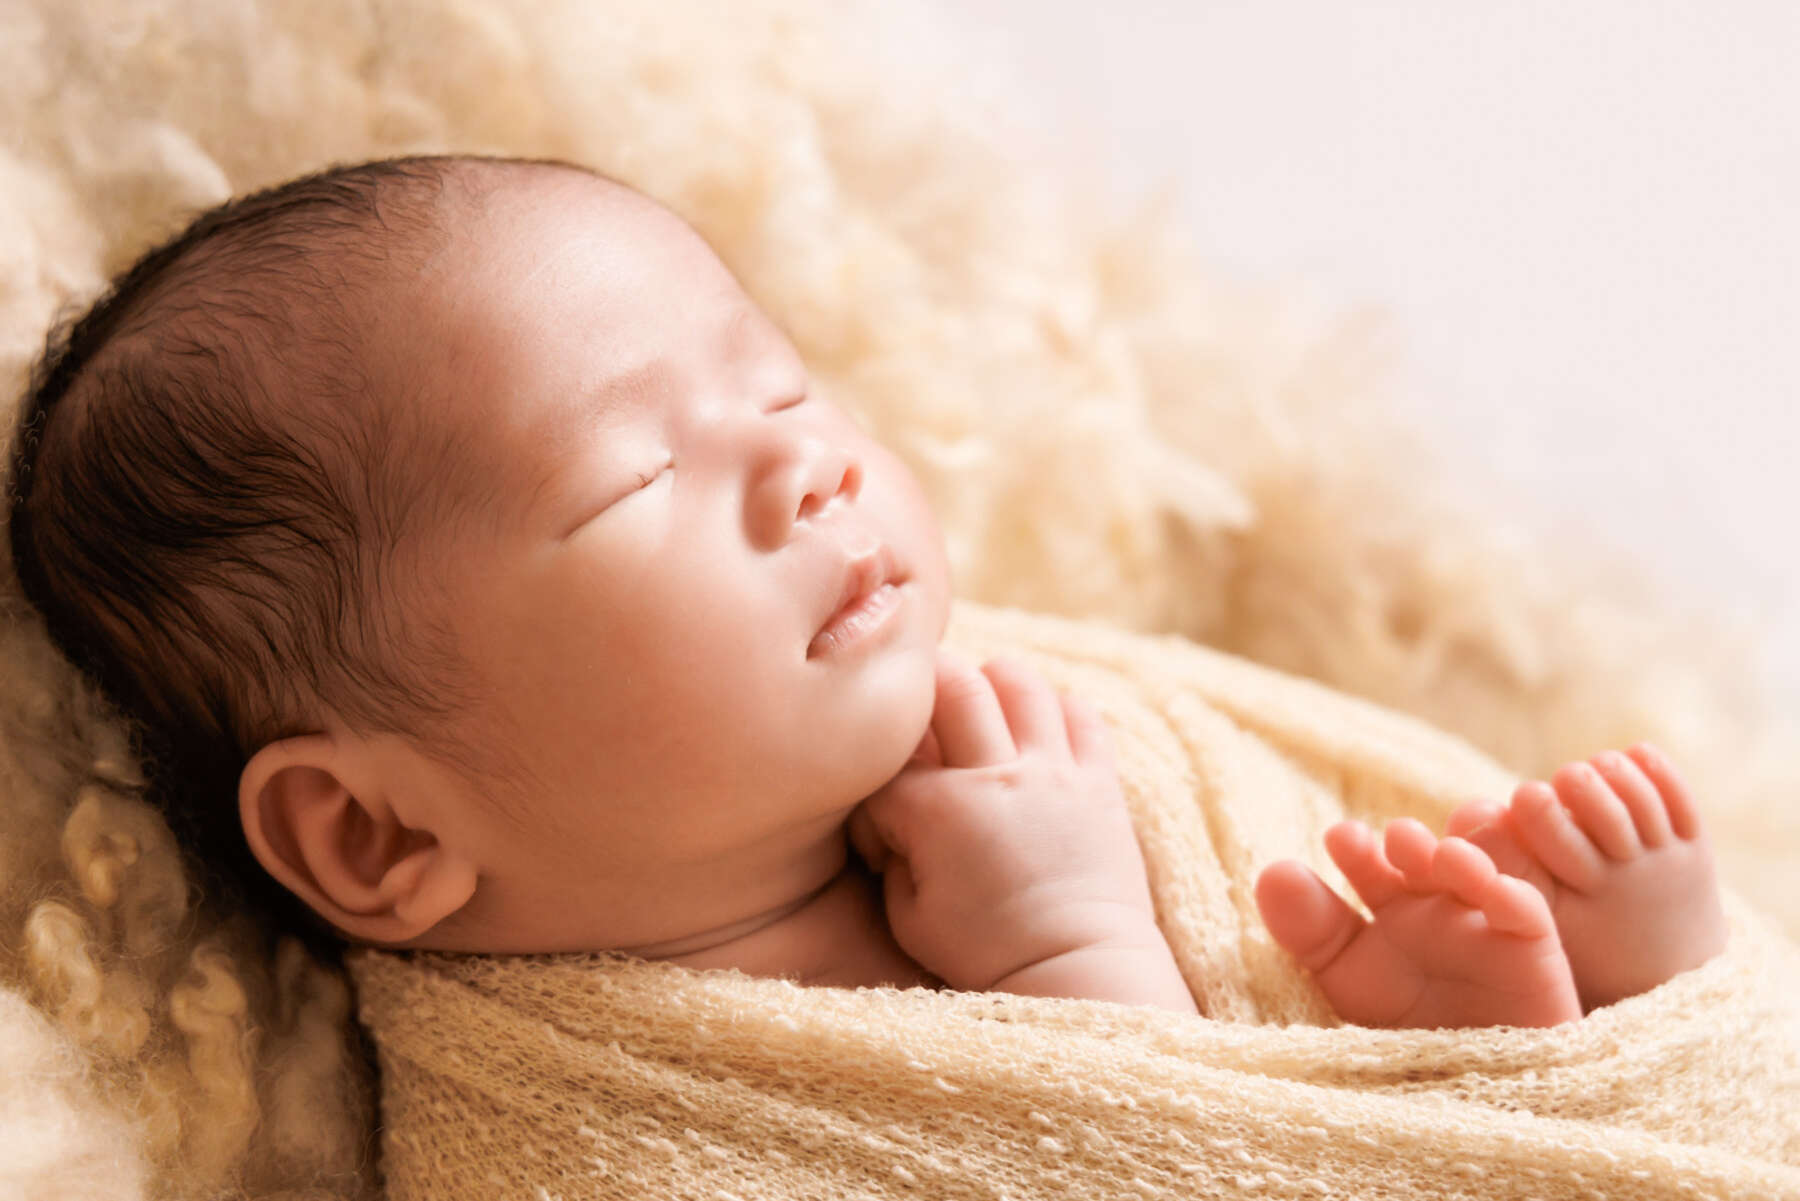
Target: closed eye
644 480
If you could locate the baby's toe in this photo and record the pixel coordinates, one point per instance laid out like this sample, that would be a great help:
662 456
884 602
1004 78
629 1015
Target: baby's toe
1353 848
1409 847
1515 907
1471 816
1459 868
1678 802
1601 815
1306 917
1628 782
1549 834
1510 905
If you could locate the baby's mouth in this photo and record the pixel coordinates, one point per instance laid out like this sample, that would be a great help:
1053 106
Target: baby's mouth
867 591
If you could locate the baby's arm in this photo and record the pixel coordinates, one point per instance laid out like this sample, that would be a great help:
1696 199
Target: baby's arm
1008 859
1142 974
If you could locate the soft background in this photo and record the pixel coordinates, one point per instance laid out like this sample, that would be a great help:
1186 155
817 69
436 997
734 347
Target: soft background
1113 417
1579 218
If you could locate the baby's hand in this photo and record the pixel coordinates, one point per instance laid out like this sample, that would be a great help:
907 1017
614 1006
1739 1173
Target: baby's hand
1005 842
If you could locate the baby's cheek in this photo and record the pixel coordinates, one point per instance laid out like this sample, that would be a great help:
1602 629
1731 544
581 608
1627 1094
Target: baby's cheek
920 536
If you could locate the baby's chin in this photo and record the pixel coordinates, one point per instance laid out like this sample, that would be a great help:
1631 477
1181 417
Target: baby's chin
904 718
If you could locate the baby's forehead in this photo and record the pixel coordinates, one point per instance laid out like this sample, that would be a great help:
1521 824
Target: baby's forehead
564 315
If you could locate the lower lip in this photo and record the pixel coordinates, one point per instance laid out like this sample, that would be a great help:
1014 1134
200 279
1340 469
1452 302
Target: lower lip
858 625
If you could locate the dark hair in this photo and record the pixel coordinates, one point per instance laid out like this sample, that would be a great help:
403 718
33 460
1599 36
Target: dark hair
204 506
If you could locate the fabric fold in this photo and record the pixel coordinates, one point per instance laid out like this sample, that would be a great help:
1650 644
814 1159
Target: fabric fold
601 1075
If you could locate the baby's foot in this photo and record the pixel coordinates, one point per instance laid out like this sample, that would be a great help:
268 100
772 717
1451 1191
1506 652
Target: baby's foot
1453 941
1618 851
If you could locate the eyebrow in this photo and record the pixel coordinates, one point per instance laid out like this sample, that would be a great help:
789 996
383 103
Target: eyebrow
644 378
620 390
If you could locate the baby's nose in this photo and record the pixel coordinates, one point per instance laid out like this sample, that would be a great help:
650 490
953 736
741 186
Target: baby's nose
799 485
838 474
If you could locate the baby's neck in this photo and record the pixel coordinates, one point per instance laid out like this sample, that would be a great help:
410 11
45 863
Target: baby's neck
836 934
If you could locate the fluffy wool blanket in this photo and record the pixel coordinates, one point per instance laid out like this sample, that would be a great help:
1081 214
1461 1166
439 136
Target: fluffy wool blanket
570 1076
1107 425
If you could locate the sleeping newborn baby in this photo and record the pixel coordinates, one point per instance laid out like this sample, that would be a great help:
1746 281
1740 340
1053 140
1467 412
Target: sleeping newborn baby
472 526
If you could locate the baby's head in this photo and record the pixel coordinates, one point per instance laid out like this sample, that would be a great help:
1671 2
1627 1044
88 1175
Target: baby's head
457 536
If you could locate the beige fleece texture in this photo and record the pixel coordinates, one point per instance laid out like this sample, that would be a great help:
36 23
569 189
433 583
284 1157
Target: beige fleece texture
605 1076
1106 426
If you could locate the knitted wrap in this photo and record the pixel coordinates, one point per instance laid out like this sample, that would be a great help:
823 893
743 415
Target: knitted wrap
602 1075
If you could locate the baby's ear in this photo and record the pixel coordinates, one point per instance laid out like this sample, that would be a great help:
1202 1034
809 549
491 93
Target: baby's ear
315 816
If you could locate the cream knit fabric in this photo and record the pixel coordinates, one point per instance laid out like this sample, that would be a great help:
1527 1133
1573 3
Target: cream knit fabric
578 1076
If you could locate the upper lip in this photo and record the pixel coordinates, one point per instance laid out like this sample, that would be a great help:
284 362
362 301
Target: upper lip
860 576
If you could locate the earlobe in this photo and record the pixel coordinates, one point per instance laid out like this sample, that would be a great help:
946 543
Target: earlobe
318 819
426 888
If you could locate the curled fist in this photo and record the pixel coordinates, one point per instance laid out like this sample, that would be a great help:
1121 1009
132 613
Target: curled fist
1005 842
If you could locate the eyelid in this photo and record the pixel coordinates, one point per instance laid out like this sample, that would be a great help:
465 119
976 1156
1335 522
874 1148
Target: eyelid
644 480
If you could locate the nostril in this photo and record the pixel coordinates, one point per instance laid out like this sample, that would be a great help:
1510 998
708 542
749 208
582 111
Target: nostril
849 483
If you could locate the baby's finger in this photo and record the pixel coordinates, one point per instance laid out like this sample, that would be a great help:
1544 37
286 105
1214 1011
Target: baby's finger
891 820
927 751
867 839
1030 705
898 889
1089 737
970 726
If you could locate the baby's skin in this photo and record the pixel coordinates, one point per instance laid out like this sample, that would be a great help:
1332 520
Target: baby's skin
1009 864
1578 893
704 613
